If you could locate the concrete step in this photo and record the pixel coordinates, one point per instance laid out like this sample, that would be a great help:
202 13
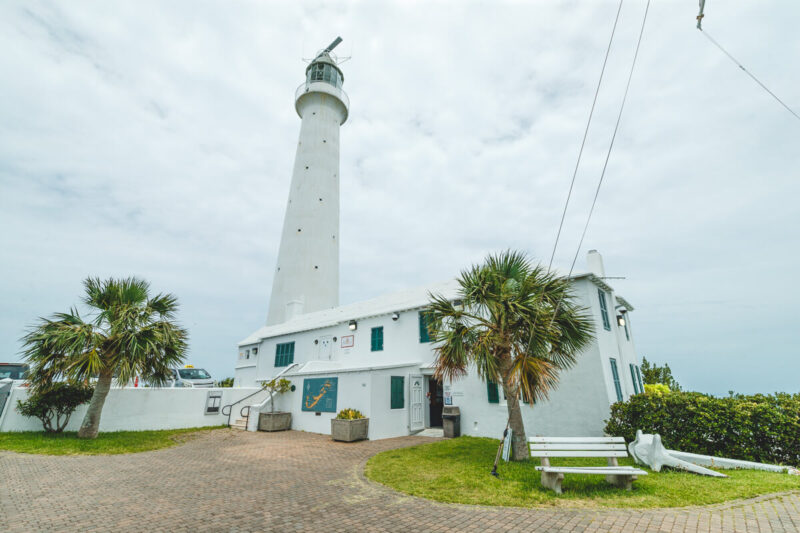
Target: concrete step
242 427
240 421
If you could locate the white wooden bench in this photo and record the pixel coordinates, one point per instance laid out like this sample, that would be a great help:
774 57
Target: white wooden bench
609 447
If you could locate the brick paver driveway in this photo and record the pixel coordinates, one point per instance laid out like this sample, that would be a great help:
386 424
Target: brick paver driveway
233 481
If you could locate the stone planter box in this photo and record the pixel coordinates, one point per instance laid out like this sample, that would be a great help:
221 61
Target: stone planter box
349 430
274 421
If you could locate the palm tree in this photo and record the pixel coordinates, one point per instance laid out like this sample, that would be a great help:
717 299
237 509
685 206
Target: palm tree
129 333
518 324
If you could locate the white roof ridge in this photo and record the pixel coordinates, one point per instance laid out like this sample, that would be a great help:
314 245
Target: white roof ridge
401 300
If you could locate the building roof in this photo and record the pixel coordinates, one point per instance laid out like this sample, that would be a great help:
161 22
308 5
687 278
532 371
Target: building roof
389 303
415 298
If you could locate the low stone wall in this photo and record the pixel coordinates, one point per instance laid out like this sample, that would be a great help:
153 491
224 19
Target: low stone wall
133 409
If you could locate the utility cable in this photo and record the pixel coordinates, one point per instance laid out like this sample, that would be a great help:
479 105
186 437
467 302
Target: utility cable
611 144
569 195
789 109
585 134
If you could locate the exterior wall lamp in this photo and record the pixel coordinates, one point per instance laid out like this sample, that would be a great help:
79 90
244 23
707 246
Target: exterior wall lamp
620 320
353 325
395 316
458 305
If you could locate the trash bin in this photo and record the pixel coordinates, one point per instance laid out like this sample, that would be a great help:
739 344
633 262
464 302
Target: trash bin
451 422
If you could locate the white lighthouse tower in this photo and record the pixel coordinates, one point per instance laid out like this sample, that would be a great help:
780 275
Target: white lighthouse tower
307 271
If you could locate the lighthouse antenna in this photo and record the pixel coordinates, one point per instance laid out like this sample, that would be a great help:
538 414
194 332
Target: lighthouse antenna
333 45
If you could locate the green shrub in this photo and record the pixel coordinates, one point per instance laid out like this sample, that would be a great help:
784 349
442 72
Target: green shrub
349 414
763 428
55 403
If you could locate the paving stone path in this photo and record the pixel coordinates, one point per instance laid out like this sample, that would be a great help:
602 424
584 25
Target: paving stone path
228 480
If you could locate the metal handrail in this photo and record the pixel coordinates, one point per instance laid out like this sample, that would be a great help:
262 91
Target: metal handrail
230 405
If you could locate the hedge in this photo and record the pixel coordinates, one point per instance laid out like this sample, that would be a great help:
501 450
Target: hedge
763 428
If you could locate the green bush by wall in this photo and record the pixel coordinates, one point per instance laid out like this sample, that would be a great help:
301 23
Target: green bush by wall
763 428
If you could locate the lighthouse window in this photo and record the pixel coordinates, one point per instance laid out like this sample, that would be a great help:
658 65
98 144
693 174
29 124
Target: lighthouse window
326 73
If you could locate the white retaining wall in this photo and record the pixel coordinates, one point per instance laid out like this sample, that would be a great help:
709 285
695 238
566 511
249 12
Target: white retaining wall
135 409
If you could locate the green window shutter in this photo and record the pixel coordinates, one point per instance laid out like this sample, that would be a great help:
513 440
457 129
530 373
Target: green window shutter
424 333
491 390
398 392
639 375
377 339
604 310
627 335
284 354
633 378
615 374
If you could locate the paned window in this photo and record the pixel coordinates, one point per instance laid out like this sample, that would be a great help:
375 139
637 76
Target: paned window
604 309
284 354
634 379
377 339
398 400
424 322
492 391
615 375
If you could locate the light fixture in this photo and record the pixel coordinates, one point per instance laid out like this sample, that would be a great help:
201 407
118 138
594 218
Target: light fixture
395 316
353 325
620 320
458 305
255 351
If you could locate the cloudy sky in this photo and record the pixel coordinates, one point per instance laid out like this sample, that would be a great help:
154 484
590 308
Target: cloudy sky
157 139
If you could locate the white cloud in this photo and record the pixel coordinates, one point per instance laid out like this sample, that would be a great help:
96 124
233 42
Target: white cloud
157 139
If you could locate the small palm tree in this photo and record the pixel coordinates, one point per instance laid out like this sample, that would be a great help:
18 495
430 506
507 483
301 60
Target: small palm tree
129 333
518 324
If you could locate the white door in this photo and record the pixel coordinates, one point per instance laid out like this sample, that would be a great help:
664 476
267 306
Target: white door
325 348
416 403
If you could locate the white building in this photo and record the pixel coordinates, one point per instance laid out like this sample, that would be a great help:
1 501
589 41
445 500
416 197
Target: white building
375 356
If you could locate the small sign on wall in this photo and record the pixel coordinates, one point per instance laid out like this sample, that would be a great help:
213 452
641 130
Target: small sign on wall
348 341
319 394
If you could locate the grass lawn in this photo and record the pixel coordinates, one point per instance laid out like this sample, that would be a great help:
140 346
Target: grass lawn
114 442
457 471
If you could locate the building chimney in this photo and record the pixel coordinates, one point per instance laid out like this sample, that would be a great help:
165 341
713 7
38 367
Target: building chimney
594 263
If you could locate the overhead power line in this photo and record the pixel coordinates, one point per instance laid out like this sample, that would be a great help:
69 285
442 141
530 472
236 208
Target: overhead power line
789 109
613 138
585 134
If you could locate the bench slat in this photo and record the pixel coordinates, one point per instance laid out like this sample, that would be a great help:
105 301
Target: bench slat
588 440
555 446
630 471
578 453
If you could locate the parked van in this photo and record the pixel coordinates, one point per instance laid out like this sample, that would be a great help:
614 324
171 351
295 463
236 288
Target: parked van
190 376
15 371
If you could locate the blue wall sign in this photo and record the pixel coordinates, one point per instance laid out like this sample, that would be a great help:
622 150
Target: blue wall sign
319 394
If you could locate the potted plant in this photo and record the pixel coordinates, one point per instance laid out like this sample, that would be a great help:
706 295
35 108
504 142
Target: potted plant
349 425
272 421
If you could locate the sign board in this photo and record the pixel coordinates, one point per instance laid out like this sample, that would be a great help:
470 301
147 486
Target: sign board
507 447
348 341
319 394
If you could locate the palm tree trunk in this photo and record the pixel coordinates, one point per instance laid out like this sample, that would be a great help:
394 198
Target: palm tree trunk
91 421
519 441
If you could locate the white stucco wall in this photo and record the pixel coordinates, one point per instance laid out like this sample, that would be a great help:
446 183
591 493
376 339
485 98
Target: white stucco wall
578 407
307 270
134 409
367 391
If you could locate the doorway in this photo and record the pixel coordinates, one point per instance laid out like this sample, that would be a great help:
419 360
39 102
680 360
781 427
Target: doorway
435 402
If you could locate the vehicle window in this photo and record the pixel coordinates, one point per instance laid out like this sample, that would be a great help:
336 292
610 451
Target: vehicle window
13 371
193 373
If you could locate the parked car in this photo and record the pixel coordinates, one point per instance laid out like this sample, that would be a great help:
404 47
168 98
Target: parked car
16 371
190 376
